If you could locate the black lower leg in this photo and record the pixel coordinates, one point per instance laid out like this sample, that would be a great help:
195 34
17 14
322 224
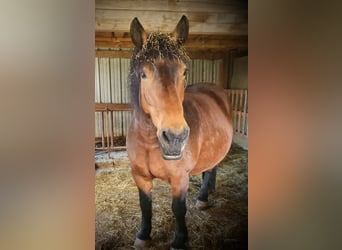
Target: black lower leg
212 181
208 184
179 210
146 215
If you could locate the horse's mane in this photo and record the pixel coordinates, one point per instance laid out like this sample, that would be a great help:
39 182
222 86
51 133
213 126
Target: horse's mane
158 46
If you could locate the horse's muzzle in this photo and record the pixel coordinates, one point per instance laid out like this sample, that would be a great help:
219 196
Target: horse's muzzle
172 143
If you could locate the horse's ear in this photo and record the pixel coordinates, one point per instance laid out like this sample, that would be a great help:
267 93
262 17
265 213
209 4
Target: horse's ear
182 30
138 34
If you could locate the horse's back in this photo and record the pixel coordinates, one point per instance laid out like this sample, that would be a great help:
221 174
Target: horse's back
208 113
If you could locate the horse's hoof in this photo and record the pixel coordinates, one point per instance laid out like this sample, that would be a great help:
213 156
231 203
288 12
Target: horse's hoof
202 205
139 244
181 248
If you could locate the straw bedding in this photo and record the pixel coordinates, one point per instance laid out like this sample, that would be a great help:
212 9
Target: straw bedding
222 226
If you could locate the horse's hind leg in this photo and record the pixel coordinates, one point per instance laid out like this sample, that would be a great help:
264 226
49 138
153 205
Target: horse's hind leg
207 187
212 181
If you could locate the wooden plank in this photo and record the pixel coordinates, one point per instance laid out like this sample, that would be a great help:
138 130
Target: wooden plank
247 124
234 95
237 111
107 132
243 120
113 107
112 148
245 111
240 93
208 55
216 42
102 130
194 43
233 104
112 128
220 6
200 22
112 39
125 36
114 53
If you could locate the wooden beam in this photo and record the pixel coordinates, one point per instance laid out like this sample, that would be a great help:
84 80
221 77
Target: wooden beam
200 23
194 42
215 6
114 53
100 107
205 54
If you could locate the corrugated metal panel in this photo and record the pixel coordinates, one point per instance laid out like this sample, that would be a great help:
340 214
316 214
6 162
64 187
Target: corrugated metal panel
104 74
125 94
105 90
197 71
115 73
98 124
115 78
207 71
216 71
97 81
125 63
98 115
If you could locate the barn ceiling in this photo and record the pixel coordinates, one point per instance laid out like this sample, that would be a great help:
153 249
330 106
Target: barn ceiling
214 24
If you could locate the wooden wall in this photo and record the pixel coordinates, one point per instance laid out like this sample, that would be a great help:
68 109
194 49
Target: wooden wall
217 25
206 16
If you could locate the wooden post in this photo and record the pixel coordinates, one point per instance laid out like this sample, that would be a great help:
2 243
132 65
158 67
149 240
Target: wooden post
107 134
102 130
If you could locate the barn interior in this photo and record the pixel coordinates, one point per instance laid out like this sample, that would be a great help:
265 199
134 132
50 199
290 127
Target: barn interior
218 48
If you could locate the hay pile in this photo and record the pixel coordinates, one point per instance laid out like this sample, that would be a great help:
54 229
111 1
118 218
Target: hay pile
223 226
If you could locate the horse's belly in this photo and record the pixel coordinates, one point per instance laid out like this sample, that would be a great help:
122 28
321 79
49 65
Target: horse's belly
211 129
213 150
214 144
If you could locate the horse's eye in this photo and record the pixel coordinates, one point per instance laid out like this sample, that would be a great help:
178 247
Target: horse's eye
142 75
185 72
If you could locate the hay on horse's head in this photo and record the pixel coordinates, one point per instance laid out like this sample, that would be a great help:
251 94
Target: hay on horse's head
158 46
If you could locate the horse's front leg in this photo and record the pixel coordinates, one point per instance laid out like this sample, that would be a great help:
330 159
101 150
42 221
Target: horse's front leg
145 198
179 190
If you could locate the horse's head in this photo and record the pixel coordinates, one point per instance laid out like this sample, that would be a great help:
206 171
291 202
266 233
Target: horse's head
158 71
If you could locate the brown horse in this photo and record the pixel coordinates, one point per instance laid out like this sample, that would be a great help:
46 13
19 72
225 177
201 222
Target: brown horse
175 132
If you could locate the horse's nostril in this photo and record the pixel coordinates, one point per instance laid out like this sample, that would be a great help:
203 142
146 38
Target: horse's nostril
184 134
166 136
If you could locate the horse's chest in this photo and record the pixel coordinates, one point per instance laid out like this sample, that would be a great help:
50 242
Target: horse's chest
163 169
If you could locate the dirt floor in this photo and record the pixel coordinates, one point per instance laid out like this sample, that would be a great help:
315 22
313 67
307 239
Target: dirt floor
223 226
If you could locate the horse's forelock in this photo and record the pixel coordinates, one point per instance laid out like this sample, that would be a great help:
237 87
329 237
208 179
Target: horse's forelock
158 46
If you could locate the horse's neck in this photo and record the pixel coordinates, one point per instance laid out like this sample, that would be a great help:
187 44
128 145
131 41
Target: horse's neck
145 125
